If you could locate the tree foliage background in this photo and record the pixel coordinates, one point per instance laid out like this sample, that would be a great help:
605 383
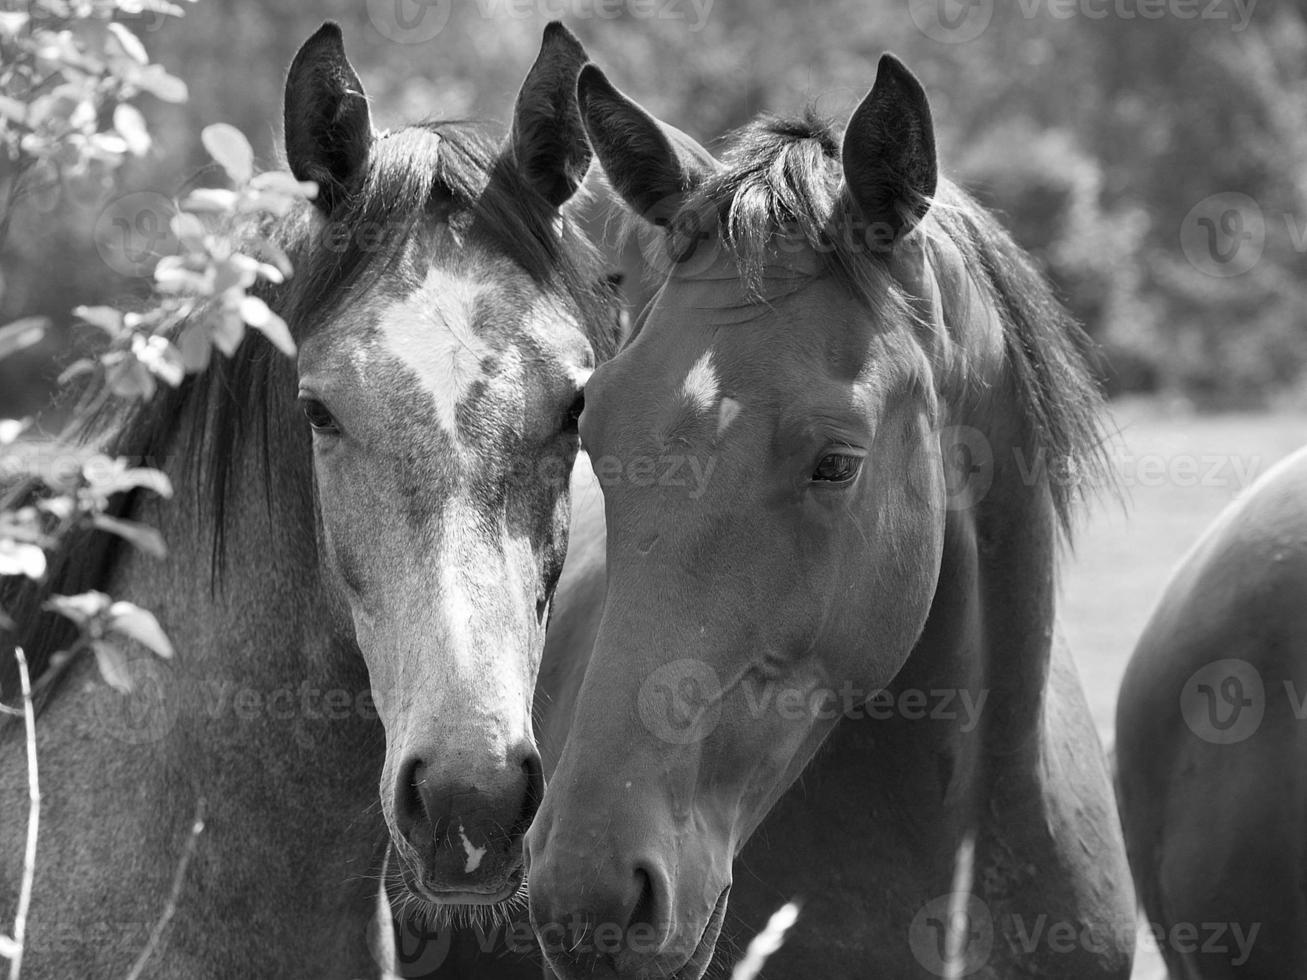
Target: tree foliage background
1120 139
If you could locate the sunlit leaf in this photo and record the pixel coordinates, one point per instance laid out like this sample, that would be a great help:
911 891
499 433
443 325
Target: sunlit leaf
140 625
22 333
81 608
131 127
127 377
131 44
105 317
228 145
12 21
259 316
18 558
113 665
142 536
11 429
160 357
156 81
210 199
284 182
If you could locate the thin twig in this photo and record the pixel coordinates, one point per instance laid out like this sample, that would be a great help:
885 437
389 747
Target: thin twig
33 819
178 879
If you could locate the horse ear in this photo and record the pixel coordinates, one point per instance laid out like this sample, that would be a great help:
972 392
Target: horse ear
328 125
547 142
652 165
889 151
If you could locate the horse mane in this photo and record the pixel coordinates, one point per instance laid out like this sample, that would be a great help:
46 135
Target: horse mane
453 171
783 177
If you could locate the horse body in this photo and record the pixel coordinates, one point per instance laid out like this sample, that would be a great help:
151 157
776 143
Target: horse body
1210 743
713 727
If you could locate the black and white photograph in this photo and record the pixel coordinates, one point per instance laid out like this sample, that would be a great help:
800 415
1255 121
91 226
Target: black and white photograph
653 489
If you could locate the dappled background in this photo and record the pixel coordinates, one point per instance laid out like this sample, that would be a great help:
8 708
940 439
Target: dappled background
1151 154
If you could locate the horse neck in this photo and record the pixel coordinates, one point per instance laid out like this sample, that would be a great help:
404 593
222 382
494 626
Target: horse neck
245 565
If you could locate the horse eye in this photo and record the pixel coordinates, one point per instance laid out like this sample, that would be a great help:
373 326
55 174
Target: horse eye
837 468
573 417
319 417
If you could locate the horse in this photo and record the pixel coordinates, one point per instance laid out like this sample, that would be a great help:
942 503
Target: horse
365 543
838 457
1209 727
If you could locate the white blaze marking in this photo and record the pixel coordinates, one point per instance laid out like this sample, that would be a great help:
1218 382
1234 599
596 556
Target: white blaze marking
431 332
700 387
474 854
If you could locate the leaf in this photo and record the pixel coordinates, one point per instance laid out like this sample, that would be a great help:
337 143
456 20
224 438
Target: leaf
142 536
231 149
12 109
11 22
8 948
81 608
108 476
227 330
105 317
195 346
210 199
127 377
131 127
259 316
113 666
156 81
140 625
17 558
11 429
79 367
131 44
189 230
284 182
160 358
21 334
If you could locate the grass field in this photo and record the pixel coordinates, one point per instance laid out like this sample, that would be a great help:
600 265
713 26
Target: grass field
1178 470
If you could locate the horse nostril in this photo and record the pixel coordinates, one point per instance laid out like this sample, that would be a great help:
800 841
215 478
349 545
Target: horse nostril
645 910
410 808
535 793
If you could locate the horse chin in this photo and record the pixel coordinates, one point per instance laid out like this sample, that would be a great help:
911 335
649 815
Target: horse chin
417 897
697 965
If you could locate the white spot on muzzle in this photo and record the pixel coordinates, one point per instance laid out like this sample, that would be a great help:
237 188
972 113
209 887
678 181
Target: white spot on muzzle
431 332
474 853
